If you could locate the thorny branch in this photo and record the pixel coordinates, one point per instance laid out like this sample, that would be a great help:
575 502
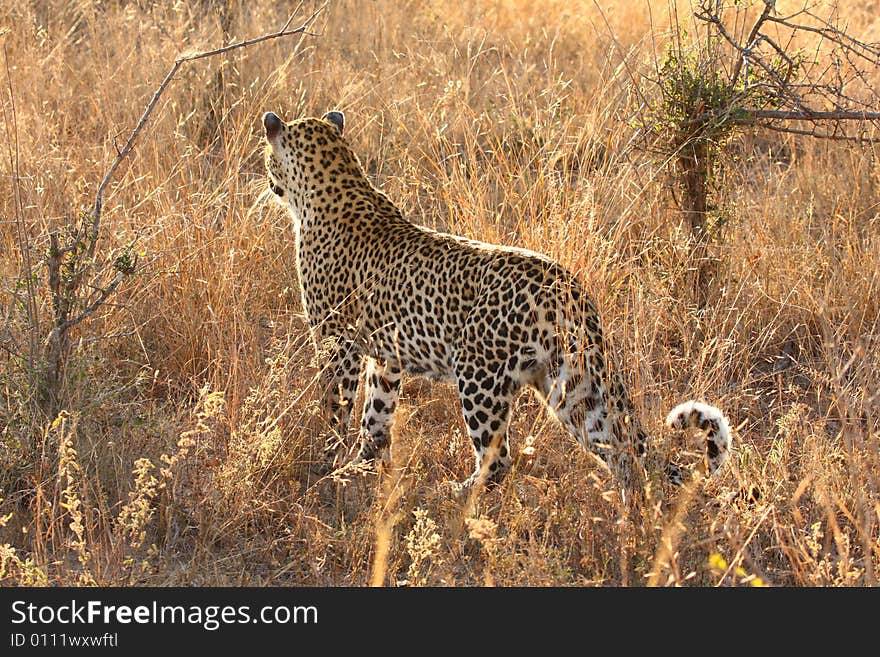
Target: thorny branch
750 41
798 85
799 74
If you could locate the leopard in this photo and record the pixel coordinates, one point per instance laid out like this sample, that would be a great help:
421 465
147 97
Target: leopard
384 295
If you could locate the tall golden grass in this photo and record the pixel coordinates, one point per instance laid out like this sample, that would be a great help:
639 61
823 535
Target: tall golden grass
190 414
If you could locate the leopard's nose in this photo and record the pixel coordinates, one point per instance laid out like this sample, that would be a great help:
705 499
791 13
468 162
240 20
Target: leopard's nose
272 125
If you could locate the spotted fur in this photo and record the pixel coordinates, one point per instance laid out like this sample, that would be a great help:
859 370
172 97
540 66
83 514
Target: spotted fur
383 291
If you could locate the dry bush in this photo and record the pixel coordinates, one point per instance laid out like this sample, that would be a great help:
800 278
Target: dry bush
184 455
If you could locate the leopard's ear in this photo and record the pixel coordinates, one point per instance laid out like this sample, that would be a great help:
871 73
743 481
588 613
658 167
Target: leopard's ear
337 119
272 125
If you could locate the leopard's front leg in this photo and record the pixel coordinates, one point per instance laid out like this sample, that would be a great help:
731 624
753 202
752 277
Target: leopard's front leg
380 401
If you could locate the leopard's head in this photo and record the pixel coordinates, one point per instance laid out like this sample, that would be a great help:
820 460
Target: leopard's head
303 152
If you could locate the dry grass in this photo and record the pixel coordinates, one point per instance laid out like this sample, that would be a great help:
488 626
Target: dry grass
182 455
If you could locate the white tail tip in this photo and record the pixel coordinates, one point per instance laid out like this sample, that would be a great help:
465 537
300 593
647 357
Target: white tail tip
708 419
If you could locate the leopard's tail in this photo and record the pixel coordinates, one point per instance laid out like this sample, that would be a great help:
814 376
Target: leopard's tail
708 419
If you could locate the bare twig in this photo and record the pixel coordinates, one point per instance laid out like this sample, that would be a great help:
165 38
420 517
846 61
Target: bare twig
180 61
814 115
831 33
819 134
749 116
103 294
769 5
